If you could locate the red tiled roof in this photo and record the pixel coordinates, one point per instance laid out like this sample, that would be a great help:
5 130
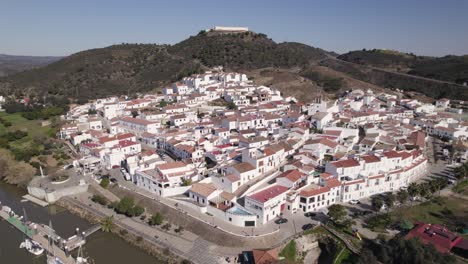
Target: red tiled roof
269 193
171 165
370 158
292 175
314 190
137 120
265 256
332 183
438 235
345 163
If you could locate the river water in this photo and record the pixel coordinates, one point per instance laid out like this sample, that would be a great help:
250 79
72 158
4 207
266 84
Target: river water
101 248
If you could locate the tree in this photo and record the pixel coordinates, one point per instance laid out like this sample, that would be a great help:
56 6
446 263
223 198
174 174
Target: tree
232 106
425 190
389 200
414 190
377 202
99 199
367 257
402 196
104 183
162 104
107 223
156 219
124 205
186 182
167 226
337 212
138 210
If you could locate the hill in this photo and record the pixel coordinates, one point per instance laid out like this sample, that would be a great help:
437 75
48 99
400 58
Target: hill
131 68
246 50
397 80
449 68
294 68
10 64
118 69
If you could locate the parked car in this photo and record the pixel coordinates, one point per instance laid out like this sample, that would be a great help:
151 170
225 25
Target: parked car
354 202
68 166
281 221
310 214
113 180
308 226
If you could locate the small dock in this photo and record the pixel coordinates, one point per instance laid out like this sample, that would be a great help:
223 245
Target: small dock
35 200
46 236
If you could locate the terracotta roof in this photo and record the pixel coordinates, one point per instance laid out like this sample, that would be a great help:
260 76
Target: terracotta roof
437 235
370 158
269 193
203 189
137 121
345 163
332 183
292 175
314 190
171 165
243 167
265 256
233 178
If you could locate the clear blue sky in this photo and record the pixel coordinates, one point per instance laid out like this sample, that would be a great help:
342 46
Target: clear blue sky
62 27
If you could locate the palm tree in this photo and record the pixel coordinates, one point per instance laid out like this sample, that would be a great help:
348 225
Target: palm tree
414 190
461 172
425 190
402 196
107 223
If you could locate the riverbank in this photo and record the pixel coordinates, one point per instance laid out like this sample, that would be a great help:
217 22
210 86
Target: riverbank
100 247
160 255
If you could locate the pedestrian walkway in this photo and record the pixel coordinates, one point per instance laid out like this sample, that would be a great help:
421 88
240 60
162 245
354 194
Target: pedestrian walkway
184 245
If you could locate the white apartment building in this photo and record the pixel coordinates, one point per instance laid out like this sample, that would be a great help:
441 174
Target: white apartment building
138 126
166 179
268 203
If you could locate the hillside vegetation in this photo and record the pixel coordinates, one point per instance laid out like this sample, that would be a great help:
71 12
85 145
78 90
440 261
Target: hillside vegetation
118 69
394 80
449 68
305 71
10 64
246 50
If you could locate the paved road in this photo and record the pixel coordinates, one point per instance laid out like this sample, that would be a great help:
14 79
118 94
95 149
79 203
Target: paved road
181 245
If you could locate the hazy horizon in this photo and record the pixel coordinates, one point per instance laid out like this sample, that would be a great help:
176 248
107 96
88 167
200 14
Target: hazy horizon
57 28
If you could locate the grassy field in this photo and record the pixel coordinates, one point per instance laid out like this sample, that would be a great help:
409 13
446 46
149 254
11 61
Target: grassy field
33 127
461 188
449 211
289 252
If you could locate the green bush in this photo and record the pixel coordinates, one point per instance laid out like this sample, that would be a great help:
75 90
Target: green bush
99 199
104 183
156 219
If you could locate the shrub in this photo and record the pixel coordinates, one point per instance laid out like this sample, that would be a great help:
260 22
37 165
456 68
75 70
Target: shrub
99 199
156 219
104 182
167 226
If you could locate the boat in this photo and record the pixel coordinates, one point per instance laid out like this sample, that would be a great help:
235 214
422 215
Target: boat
80 259
53 260
32 246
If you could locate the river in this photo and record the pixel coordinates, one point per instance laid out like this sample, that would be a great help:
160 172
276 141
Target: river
101 248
